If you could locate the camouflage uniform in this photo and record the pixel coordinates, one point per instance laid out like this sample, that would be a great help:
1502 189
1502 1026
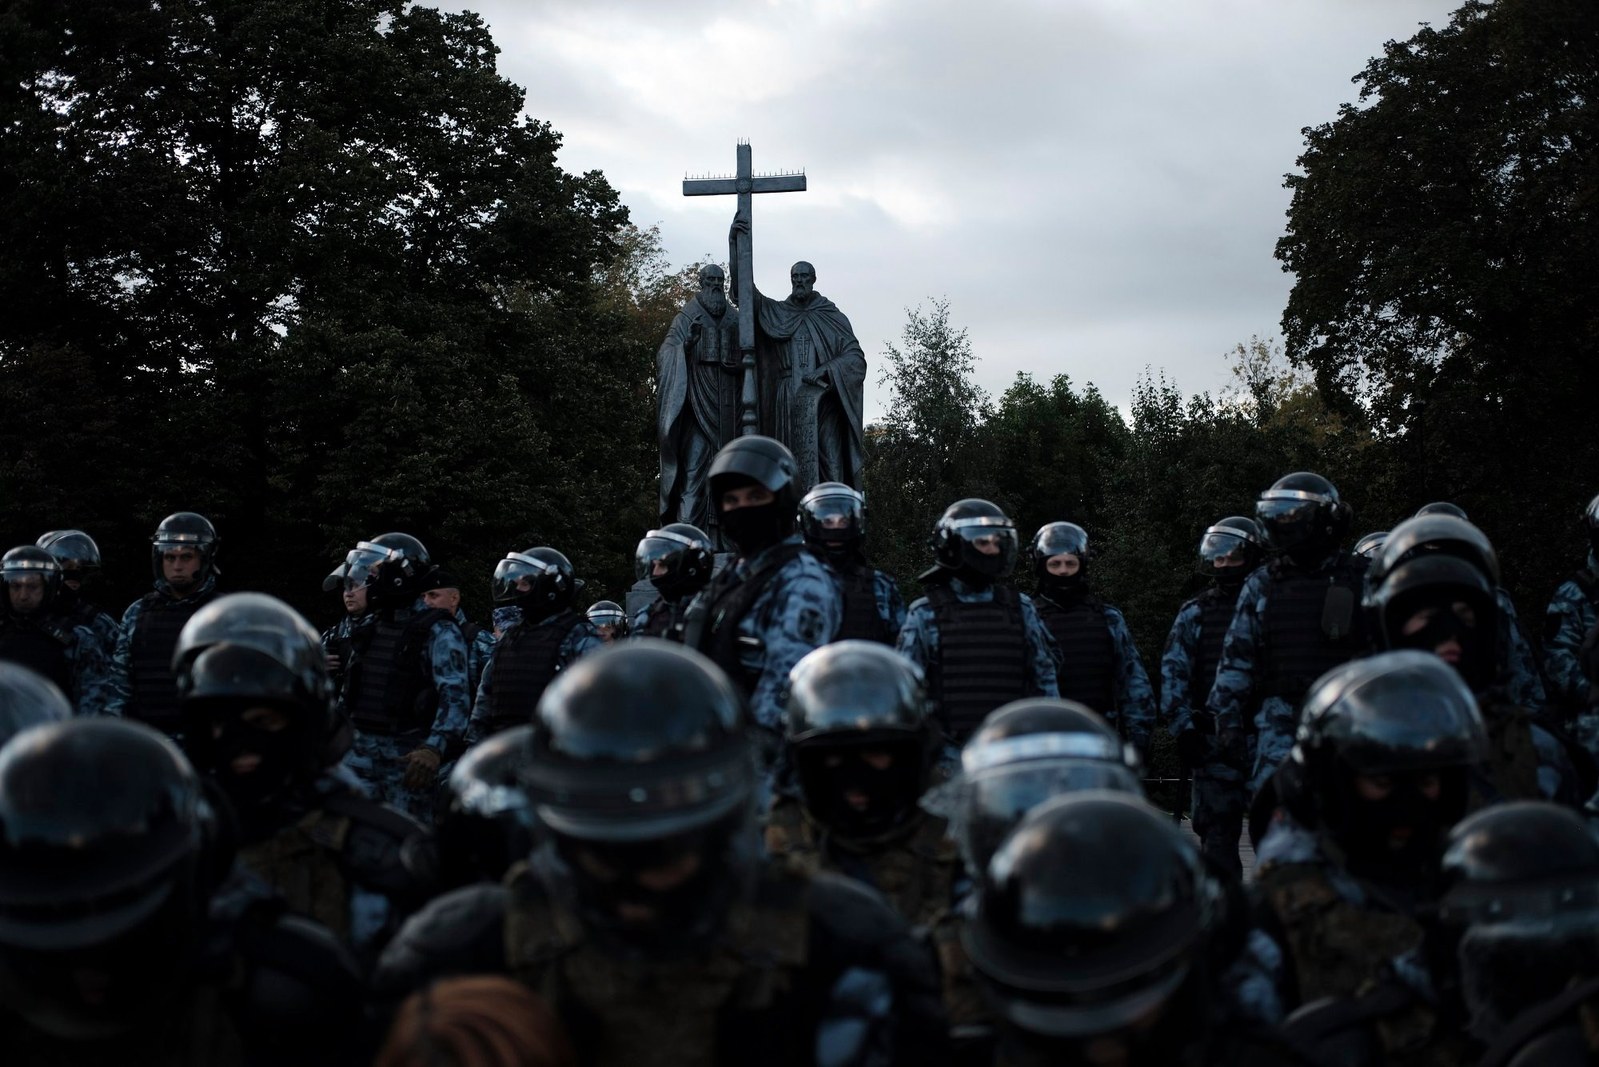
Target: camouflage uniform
90 684
378 760
506 617
1570 617
1245 653
1519 667
581 639
798 610
918 638
119 686
478 650
890 604
1219 798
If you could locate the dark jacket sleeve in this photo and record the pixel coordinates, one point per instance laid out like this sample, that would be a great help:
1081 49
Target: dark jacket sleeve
462 932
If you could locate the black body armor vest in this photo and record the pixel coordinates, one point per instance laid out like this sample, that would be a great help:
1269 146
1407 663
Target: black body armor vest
982 657
41 646
1087 673
661 619
712 622
861 620
389 686
154 698
524 664
1298 650
1216 608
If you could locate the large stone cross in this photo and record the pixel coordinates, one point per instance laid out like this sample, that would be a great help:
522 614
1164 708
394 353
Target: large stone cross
745 183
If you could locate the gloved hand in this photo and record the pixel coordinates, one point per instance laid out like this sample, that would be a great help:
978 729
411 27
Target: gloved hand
421 768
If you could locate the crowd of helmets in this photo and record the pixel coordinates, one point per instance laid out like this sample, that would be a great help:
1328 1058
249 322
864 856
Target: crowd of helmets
780 817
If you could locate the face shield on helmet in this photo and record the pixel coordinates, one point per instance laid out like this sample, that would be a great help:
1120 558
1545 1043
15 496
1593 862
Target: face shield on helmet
676 560
833 518
32 579
362 563
519 577
1291 522
986 545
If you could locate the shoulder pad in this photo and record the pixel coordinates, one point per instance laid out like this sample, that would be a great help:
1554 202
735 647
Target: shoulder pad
462 932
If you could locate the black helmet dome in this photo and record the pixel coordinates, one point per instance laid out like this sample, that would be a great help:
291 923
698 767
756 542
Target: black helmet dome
1441 583
73 549
682 554
833 517
1442 507
1059 538
1370 544
31 561
1434 534
764 461
1303 516
1091 916
28 699
606 613
960 530
551 580
185 529
392 567
1233 544
484 827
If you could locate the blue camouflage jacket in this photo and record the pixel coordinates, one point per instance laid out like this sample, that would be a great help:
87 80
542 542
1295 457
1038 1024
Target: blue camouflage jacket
446 656
1570 615
918 638
478 651
890 604
1519 669
580 640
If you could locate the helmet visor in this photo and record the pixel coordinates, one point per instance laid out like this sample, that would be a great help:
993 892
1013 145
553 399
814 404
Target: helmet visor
363 559
607 617
987 547
990 803
1223 548
833 518
1061 538
1288 522
516 574
658 553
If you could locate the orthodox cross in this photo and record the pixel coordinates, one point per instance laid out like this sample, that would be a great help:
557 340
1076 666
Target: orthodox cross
745 183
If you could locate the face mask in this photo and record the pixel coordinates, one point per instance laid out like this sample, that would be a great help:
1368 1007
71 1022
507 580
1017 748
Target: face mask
1370 824
756 528
279 754
889 793
1062 586
1476 664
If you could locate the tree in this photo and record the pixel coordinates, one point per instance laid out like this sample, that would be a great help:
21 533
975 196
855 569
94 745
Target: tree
1442 235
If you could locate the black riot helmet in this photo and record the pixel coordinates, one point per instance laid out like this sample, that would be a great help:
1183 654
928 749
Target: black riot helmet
1370 544
28 699
540 581
974 541
1059 539
1095 916
1303 517
608 613
75 550
1022 755
641 756
29 564
1520 909
762 461
833 519
1442 507
1590 525
677 560
861 738
253 680
107 858
185 529
393 567
1434 535
1231 548
1433 602
1403 717
484 828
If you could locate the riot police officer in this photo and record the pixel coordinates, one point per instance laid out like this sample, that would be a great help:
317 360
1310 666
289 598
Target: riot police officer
338 646
260 721
121 938
861 740
443 591
979 642
34 633
1099 663
776 601
183 556
833 520
608 619
648 904
1572 614
1379 773
1229 551
79 557
406 688
549 636
1296 618
677 561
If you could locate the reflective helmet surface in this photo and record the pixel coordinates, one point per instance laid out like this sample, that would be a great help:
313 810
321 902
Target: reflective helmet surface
549 576
1023 754
860 737
964 530
1056 539
392 567
1091 916
1434 535
1303 516
1442 507
676 559
73 549
1370 544
185 529
1234 544
833 517
485 827
763 460
609 613
30 563
28 699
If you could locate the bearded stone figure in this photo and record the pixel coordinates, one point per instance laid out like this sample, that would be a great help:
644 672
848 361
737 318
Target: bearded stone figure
697 374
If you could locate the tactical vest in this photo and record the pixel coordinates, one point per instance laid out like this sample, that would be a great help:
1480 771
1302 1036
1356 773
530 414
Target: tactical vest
389 686
1335 948
1088 668
40 646
301 864
525 662
712 625
660 618
1298 651
638 1013
154 698
982 657
861 619
1216 609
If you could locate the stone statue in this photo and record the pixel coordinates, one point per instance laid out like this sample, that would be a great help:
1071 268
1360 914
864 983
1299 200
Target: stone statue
812 375
697 379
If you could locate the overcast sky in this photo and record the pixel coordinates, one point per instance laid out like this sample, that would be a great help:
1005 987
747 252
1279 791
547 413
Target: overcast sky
1095 185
